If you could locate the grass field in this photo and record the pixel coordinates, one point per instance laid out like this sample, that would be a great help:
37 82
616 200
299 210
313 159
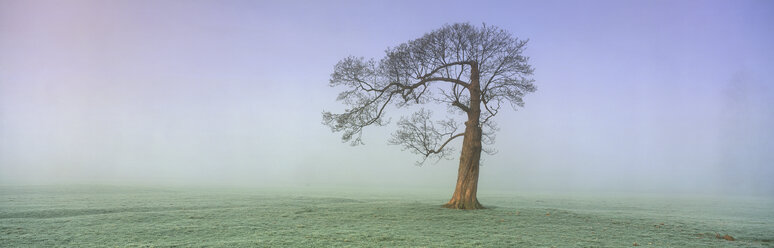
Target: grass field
85 216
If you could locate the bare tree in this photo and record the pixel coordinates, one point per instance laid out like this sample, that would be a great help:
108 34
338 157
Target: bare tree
472 70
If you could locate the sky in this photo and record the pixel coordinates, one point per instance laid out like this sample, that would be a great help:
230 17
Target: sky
645 96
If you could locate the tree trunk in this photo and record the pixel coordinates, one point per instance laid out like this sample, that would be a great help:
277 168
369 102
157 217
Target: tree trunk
464 196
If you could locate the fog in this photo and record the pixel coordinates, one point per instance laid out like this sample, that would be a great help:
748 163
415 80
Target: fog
649 96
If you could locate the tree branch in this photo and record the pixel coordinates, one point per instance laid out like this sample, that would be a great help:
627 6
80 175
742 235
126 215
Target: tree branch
444 144
458 104
444 79
467 62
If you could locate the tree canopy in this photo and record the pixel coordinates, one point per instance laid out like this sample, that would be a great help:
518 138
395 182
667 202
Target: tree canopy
437 67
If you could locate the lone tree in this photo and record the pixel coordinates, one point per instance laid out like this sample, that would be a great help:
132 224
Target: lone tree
471 70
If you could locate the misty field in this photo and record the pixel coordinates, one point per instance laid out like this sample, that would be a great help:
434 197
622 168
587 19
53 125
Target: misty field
83 216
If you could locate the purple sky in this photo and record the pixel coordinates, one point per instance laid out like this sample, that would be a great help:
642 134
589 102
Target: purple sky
636 95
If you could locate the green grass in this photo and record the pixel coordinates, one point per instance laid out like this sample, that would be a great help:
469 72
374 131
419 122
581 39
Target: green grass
86 216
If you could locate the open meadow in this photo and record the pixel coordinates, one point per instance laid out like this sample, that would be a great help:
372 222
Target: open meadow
85 216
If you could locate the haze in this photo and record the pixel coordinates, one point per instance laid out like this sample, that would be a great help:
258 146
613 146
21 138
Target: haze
647 96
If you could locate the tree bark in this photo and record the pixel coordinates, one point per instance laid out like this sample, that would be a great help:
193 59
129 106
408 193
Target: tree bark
464 196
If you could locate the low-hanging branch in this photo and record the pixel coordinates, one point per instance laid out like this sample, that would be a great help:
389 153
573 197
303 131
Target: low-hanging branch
420 135
443 145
